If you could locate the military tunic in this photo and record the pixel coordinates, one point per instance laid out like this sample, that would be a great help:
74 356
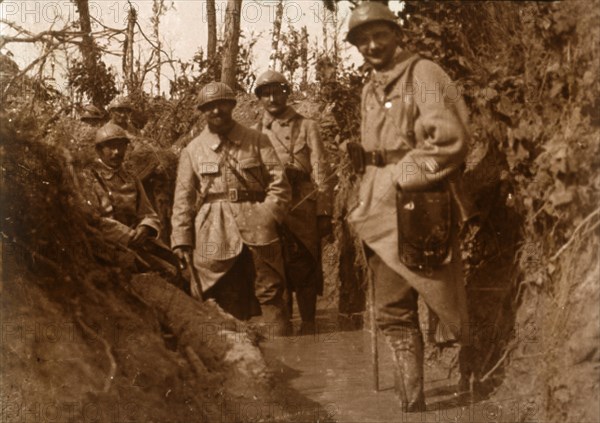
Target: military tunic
440 120
218 230
121 201
298 144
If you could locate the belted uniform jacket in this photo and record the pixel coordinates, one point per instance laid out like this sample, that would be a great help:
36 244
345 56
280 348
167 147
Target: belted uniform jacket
217 230
440 125
298 144
120 199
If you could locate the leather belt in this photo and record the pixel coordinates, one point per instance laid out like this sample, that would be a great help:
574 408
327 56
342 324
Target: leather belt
381 158
234 195
360 158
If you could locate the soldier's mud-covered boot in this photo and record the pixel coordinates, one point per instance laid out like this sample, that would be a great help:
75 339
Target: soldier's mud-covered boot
407 347
272 322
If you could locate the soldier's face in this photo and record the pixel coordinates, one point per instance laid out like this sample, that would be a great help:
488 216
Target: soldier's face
218 114
274 98
120 116
377 42
112 152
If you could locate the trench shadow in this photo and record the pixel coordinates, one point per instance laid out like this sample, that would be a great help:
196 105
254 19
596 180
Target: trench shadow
289 404
329 321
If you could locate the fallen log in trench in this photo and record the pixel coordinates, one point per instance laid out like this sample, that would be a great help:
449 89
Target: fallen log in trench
216 345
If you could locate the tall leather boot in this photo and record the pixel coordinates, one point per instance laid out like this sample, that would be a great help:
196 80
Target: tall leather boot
469 371
306 297
407 347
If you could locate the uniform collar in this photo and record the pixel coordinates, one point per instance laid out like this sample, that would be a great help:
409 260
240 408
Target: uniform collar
284 120
382 79
105 171
214 141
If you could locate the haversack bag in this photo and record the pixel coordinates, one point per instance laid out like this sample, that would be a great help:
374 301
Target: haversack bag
424 227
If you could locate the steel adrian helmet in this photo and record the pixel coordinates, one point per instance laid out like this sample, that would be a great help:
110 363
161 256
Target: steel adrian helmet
215 91
268 78
120 103
368 12
109 132
91 112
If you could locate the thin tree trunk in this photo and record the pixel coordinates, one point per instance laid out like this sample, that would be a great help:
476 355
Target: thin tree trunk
211 12
325 48
304 58
276 35
157 11
231 40
128 70
336 53
88 48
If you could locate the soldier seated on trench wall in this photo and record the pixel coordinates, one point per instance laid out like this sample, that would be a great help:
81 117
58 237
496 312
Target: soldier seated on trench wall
126 216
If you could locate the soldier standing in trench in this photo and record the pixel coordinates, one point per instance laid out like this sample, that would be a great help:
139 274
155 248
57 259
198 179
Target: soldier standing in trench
414 140
230 194
92 116
120 110
298 144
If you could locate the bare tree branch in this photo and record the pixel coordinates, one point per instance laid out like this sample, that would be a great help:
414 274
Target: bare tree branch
106 27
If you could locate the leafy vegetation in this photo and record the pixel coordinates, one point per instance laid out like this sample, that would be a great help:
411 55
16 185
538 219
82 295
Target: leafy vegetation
530 75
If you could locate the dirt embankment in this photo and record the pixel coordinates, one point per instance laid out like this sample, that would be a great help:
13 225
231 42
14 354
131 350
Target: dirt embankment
84 341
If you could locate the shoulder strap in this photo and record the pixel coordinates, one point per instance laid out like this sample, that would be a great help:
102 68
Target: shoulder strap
410 118
290 150
102 183
233 169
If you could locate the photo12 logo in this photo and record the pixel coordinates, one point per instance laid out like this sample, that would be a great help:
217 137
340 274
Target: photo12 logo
108 12
68 411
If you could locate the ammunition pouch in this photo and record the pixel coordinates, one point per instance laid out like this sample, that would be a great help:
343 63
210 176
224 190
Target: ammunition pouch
424 226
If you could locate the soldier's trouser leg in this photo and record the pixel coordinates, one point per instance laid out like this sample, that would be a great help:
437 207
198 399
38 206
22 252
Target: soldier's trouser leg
300 271
397 317
269 285
234 292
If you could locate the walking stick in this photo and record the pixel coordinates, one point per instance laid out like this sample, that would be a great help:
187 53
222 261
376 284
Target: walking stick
374 346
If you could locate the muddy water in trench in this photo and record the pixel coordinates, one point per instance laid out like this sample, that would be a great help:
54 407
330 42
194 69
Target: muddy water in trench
334 369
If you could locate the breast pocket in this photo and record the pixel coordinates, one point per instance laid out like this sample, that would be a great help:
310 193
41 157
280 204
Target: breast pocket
209 168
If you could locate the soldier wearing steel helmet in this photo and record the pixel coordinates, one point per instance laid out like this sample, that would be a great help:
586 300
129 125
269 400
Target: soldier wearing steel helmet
230 194
92 115
298 144
414 140
120 109
126 215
